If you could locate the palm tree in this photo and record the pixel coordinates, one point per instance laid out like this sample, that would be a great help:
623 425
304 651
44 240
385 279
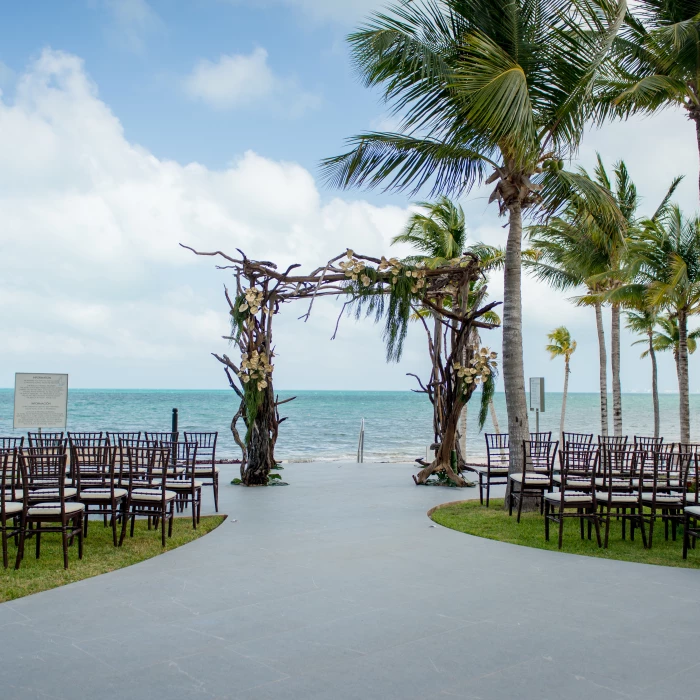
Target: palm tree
564 255
580 247
438 230
666 269
657 62
644 321
490 91
561 345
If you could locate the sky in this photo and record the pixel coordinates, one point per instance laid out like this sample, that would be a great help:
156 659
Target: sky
130 126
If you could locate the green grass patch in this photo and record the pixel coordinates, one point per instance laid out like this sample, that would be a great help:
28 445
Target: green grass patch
494 523
99 555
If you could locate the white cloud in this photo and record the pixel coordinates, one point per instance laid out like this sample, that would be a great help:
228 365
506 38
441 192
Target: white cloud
239 80
133 21
94 281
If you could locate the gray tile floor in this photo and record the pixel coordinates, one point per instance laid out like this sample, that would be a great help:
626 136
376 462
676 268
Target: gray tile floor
338 588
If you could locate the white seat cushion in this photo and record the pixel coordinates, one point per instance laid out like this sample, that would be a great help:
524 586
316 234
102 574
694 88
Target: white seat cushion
12 508
208 470
151 495
570 497
573 480
693 510
665 498
169 470
617 497
49 494
101 494
55 508
182 485
690 498
531 478
480 469
616 483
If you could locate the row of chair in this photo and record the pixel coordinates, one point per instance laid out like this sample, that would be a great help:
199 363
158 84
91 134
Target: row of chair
56 482
639 483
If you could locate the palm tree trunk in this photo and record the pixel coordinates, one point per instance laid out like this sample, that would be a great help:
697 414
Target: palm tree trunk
695 118
683 376
463 432
563 401
615 365
603 355
494 417
654 383
513 369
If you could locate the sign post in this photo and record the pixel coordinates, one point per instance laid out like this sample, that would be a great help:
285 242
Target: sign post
537 399
41 401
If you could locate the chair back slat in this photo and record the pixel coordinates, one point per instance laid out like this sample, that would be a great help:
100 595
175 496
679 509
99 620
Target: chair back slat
11 443
576 438
609 440
497 450
42 439
539 454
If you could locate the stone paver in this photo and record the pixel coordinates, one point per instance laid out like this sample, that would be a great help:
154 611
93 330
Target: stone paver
338 587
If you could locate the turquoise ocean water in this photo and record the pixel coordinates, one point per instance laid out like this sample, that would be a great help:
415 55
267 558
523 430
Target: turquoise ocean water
324 425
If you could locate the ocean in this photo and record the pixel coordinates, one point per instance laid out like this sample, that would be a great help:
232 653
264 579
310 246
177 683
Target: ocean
324 425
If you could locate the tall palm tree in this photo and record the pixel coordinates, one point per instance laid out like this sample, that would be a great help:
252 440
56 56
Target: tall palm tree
581 248
489 91
438 230
657 62
644 321
563 255
561 345
666 268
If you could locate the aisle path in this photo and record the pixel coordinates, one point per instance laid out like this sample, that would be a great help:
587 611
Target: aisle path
338 588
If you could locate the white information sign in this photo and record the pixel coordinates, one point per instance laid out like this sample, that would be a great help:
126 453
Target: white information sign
41 400
537 394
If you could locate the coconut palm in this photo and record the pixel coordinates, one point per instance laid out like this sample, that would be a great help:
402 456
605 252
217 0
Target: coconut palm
489 91
666 268
561 345
438 230
644 321
564 255
657 62
580 247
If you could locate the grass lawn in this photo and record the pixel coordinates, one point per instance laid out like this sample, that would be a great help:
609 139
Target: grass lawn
99 555
494 524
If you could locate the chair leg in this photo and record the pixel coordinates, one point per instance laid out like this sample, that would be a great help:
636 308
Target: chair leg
216 493
194 510
546 521
87 519
125 518
596 524
4 546
38 539
520 501
607 527
582 524
561 528
652 517
114 523
481 489
64 542
80 536
162 534
686 536
20 545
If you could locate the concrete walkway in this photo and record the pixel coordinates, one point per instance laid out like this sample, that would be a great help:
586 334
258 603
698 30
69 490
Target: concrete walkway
338 588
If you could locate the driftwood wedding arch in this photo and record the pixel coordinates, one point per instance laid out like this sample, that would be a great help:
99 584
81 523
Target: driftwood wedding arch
445 299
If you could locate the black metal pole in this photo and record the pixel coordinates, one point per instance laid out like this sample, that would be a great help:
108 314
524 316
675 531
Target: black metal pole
174 435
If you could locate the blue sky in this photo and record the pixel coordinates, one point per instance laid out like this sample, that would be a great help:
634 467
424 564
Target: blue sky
128 126
138 54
